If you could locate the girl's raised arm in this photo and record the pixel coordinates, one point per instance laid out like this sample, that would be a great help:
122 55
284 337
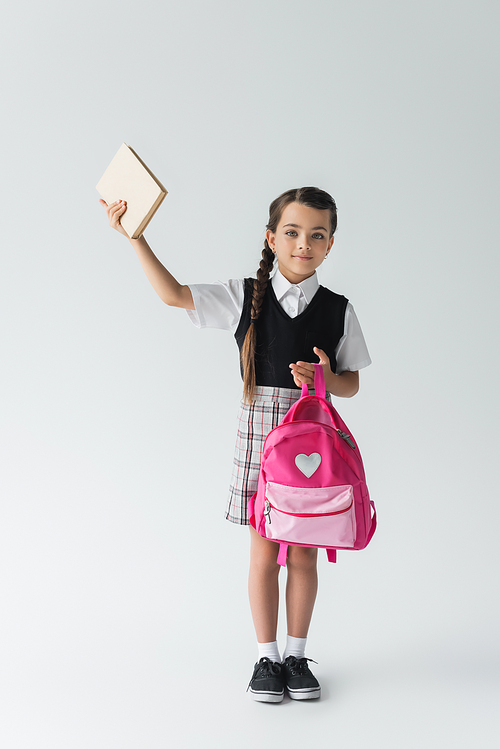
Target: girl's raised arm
166 286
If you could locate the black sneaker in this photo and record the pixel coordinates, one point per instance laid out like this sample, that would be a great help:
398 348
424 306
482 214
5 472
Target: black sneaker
267 683
300 682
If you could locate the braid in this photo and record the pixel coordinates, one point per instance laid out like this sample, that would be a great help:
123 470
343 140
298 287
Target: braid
250 342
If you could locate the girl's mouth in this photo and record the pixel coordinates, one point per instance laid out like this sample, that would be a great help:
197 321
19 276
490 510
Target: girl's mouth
302 257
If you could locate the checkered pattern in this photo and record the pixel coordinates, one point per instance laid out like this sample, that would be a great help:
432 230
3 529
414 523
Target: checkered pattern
255 421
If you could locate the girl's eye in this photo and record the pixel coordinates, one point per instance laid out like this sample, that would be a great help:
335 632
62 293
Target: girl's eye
318 236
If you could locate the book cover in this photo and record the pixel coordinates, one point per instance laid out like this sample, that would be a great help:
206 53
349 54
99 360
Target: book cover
128 178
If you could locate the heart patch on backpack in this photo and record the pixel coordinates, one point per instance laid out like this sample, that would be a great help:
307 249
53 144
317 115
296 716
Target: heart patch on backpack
308 464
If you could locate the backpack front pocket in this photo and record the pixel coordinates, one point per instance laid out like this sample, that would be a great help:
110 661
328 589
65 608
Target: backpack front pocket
317 516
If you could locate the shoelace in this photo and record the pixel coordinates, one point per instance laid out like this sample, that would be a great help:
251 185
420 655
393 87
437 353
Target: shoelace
266 667
298 666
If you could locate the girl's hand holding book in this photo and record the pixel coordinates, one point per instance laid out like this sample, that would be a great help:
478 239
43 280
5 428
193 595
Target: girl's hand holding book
114 212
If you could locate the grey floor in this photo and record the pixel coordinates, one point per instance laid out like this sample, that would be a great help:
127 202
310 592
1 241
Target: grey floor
139 698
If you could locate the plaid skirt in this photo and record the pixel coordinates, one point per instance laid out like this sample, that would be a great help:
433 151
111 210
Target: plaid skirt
255 421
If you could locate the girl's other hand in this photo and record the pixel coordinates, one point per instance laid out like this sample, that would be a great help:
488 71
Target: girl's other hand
303 372
114 212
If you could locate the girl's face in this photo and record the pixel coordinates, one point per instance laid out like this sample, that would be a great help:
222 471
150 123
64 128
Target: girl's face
301 241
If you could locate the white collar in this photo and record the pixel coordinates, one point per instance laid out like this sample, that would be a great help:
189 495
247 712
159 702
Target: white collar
308 287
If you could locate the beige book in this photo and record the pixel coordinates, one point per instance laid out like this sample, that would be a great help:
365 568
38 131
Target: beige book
128 178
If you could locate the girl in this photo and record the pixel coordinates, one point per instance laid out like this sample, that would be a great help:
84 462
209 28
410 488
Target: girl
279 323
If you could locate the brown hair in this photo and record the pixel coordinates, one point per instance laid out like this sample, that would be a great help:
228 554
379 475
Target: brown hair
312 197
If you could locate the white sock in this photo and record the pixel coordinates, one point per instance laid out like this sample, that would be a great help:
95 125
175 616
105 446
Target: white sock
269 650
295 646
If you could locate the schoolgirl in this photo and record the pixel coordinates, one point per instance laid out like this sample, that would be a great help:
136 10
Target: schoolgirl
281 320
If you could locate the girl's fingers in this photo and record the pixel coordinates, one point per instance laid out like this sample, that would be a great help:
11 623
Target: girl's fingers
303 380
302 368
113 206
116 210
303 373
323 358
303 376
307 368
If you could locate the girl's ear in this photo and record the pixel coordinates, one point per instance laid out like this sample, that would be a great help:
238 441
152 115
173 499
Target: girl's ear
270 238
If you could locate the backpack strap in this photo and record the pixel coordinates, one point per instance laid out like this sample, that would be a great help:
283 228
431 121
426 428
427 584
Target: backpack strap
373 525
319 382
332 555
282 555
251 510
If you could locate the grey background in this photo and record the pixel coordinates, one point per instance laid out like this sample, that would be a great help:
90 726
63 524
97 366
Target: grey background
125 620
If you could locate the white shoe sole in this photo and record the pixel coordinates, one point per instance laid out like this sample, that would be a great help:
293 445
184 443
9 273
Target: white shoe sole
267 696
298 694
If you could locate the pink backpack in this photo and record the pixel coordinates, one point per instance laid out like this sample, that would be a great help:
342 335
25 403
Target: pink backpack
312 489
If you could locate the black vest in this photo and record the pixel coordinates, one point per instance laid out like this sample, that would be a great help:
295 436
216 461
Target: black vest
283 340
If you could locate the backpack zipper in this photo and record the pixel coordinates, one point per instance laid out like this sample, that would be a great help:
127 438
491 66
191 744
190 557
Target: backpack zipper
269 507
347 438
267 511
344 435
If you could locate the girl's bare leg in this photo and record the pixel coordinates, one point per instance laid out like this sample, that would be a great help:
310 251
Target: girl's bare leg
301 589
263 590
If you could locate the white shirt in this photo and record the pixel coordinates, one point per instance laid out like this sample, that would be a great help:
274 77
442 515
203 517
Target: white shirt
220 304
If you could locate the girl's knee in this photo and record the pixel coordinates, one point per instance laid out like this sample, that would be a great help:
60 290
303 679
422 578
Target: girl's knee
264 553
302 557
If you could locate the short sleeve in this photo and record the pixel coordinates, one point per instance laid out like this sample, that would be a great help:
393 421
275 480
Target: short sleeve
352 353
217 305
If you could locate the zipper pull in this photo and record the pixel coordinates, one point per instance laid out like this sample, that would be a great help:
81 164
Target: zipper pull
347 438
267 511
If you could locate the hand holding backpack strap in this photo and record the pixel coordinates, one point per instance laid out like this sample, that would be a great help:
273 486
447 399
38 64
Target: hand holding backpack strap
319 382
